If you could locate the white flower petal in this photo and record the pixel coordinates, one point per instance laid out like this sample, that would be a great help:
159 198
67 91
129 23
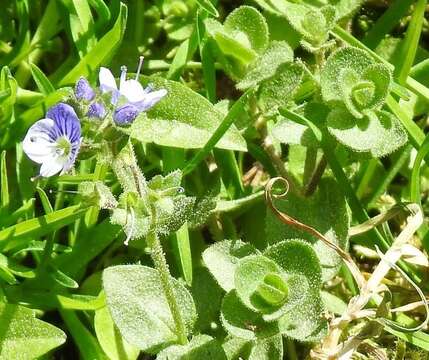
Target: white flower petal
154 96
52 167
37 144
151 99
132 90
107 80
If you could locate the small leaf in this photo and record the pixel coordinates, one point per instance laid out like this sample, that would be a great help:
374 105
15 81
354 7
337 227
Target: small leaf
263 288
222 258
248 20
280 89
265 66
25 335
349 58
379 133
139 307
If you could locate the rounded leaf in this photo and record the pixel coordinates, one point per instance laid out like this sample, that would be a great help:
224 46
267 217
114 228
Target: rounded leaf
248 20
350 58
379 132
297 257
139 308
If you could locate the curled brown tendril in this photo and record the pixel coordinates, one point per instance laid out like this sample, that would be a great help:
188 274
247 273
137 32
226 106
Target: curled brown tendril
288 220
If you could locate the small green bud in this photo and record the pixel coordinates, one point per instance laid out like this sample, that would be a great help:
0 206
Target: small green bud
271 293
362 94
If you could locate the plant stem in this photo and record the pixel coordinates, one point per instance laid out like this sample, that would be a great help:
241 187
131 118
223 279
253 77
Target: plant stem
164 273
291 350
315 178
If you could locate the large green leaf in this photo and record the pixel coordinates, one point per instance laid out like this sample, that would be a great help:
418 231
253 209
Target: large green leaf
23 337
326 211
140 309
182 119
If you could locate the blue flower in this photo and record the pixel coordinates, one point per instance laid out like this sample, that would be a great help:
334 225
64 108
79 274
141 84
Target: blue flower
137 98
84 91
54 142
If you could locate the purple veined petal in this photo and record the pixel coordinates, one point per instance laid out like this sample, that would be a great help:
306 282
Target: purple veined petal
96 110
107 80
151 99
66 121
126 114
132 90
38 143
50 168
84 91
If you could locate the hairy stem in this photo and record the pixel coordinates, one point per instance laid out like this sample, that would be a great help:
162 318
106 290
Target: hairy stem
161 265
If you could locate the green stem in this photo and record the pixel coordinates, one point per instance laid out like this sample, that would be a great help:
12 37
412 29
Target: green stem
291 350
309 164
317 175
164 273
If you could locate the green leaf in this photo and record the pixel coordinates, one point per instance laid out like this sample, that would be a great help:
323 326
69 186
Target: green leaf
379 133
42 82
101 52
110 338
292 133
244 323
263 288
281 88
4 185
200 347
25 335
267 349
81 25
326 211
248 20
305 322
222 258
265 66
183 119
243 35
207 295
348 59
209 7
40 226
297 257
139 307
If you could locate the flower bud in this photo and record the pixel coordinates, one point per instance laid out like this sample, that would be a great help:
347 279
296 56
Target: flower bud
126 114
96 110
84 91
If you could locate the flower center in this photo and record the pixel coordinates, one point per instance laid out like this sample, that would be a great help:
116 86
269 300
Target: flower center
63 147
